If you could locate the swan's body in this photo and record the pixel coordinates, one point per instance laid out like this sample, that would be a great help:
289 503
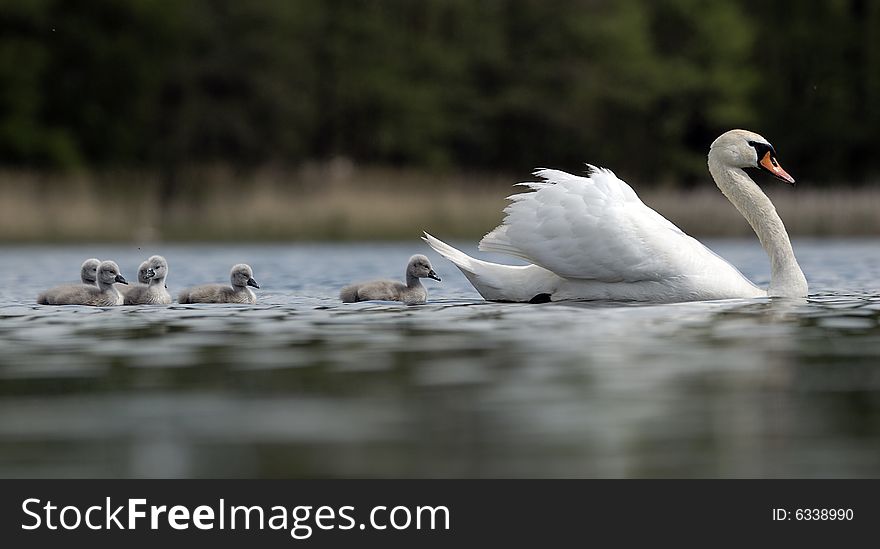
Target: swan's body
413 292
240 277
592 238
155 272
104 294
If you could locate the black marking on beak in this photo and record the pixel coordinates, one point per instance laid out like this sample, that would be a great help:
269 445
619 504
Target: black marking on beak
151 273
767 162
432 274
121 279
771 165
252 282
762 149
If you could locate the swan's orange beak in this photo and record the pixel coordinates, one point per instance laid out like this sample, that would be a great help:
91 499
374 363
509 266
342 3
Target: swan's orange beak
770 164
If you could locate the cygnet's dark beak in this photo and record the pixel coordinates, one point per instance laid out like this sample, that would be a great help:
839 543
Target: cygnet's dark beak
121 279
252 282
432 274
151 273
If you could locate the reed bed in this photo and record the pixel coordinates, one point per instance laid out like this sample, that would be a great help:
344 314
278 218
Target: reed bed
340 202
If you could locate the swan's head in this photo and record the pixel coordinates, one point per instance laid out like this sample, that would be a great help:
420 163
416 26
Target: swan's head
143 278
420 267
745 149
108 274
88 273
242 275
157 269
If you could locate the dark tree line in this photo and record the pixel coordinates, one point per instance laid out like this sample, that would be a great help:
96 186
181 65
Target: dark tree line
639 86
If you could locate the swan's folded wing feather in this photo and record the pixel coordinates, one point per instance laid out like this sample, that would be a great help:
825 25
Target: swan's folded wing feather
595 228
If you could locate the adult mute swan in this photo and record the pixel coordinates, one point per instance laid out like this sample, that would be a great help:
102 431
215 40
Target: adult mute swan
591 238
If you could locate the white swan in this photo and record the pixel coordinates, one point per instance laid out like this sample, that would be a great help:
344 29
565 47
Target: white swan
591 238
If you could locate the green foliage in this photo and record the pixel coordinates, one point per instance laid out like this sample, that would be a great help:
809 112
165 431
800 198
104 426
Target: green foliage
819 91
640 86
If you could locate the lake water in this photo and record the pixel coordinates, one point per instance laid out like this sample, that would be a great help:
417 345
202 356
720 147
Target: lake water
301 385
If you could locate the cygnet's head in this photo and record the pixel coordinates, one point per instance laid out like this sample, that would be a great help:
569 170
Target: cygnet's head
108 274
420 267
142 272
242 275
157 269
89 271
745 149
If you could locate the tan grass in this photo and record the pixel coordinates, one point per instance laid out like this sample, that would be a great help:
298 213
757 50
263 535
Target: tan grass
339 202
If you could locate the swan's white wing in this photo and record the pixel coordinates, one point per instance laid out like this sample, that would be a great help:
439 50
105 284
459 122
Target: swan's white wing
596 228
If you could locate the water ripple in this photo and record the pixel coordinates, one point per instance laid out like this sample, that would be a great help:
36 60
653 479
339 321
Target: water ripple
301 385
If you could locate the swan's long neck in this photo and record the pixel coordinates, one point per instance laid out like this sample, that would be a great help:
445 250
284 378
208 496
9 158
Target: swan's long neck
786 277
412 281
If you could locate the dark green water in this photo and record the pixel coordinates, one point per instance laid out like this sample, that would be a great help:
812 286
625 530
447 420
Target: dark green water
303 386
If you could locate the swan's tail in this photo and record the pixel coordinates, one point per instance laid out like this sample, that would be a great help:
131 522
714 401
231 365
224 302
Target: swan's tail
497 282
